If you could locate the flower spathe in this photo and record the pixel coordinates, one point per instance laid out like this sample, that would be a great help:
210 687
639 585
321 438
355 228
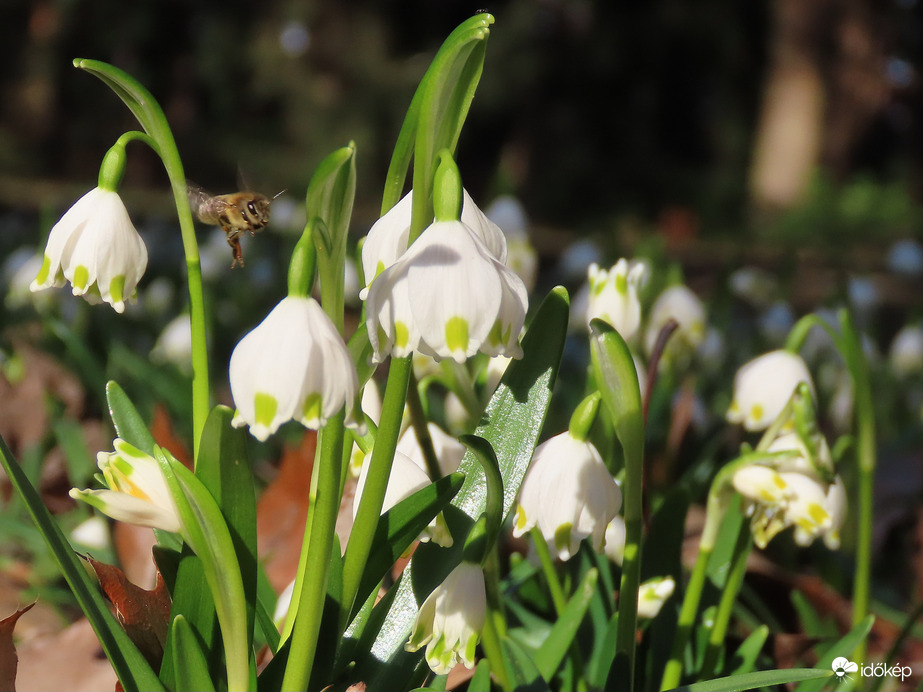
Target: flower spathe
614 298
293 365
388 237
137 491
763 386
569 494
446 297
450 620
96 249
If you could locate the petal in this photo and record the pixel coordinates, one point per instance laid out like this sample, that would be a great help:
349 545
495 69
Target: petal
130 509
386 241
486 230
455 290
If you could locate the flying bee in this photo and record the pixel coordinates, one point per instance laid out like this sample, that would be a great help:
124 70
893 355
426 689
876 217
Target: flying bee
236 213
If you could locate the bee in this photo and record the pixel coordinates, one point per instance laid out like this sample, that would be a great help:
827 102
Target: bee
236 213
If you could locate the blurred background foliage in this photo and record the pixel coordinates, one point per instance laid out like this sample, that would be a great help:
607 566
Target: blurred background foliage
702 135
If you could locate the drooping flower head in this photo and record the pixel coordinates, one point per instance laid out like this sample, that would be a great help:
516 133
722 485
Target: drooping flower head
450 620
96 249
569 494
681 304
447 297
388 237
613 296
793 490
293 365
763 386
137 491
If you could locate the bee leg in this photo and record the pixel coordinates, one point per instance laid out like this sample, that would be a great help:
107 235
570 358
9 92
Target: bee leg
237 251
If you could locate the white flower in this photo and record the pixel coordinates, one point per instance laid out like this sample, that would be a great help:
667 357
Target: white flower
137 491
293 365
652 594
763 386
450 620
615 540
447 297
371 406
792 492
174 345
406 478
449 451
96 248
614 296
906 353
569 494
388 237
682 305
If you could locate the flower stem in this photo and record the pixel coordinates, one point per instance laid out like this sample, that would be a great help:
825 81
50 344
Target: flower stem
373 495
672 673
732 586
420 429
551 575
149 113
490 642
317 545
866 457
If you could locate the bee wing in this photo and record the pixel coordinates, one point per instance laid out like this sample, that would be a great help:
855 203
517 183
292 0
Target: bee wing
204 205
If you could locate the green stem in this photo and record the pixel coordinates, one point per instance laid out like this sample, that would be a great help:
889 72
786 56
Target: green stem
373 495
728 597
673 671
490 642
420 428
866 457
148 112
318 543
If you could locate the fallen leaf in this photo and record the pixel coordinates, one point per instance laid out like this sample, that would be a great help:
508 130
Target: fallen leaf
145 615
282 511
8 659
69 660
164 435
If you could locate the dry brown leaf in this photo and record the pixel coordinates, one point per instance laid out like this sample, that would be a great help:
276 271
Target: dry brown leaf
8 659
69 660
164 435
282 511
145 615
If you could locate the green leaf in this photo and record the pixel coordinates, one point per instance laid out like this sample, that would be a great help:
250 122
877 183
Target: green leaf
208 535
127 421
400 526
132 669
812 623
188 659
752 681
523 674
480 681
224 469
511 423
601 664
745 657
445 93
556 646
844 647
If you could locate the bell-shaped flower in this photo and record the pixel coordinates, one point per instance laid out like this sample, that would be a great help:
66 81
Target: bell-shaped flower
652 594
680 304
96 249
293 365
449 451
906 352
763 386
792 492
569 494
447 297
614 298
406 478
388 237
450 621
137 491
615 540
